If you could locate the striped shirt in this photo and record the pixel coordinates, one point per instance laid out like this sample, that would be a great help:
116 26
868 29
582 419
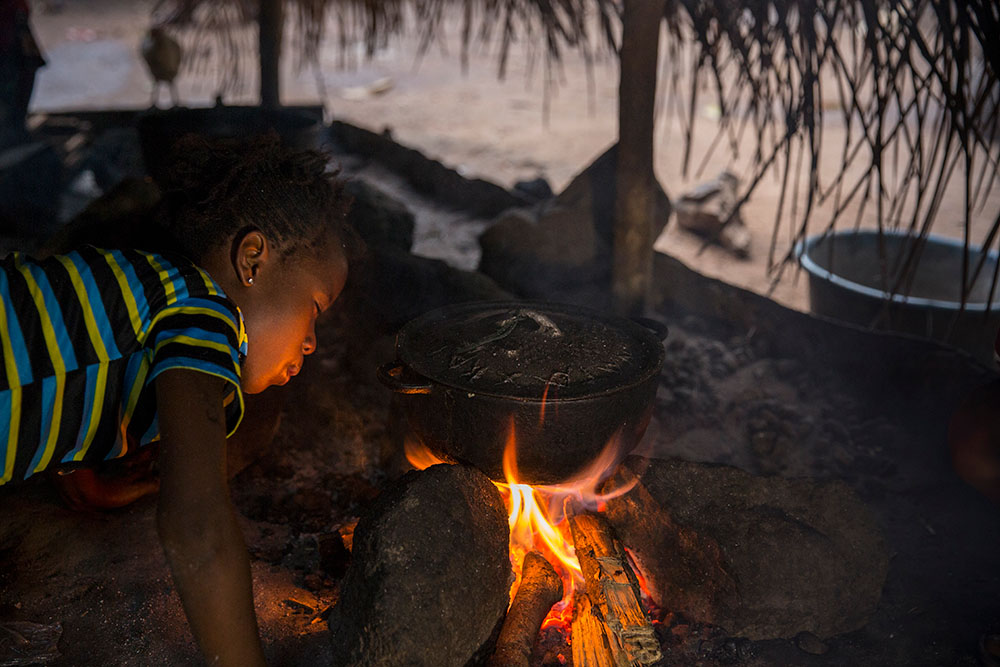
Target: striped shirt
83 337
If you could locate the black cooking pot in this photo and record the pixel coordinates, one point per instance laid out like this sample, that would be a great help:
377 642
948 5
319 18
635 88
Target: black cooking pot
569 379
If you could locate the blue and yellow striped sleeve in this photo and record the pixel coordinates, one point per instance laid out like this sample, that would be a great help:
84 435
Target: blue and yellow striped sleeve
204 334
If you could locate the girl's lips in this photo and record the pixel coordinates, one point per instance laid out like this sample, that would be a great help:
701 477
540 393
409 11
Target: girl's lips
290 372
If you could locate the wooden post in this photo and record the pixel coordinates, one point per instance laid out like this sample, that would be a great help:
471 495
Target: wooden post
270 22
632 266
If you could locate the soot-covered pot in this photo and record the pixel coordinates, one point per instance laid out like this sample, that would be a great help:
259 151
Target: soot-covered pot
569 379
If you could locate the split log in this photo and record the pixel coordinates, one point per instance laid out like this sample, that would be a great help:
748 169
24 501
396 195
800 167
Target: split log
614 592
540 588
590 641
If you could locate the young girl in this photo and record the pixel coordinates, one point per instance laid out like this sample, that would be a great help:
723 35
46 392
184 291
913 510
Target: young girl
104 351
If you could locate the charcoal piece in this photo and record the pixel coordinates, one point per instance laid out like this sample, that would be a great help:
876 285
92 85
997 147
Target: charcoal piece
811 644
430 574
763 557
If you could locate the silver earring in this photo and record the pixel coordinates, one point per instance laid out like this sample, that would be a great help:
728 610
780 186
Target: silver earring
250 280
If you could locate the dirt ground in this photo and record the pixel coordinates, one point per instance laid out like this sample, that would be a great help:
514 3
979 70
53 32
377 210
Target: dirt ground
481 126
869 409
836 402
848 406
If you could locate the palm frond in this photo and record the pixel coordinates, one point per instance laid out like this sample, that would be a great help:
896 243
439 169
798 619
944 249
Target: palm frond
557 26
913 82
917 86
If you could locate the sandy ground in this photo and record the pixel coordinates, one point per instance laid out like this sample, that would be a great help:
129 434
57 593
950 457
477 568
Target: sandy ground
493 129
798 398
880 427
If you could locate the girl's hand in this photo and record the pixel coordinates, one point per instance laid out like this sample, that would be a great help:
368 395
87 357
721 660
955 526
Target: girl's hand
86 489
111 484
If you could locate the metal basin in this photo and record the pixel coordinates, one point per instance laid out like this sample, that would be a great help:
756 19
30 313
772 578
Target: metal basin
846 282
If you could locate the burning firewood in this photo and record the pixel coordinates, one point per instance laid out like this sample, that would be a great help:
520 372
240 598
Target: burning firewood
540 588
590 638
613 594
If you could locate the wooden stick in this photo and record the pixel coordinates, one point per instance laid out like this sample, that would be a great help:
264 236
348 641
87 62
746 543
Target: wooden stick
614 591
540 588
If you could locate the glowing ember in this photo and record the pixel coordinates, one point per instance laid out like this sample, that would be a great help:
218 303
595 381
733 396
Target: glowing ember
652 609
537 515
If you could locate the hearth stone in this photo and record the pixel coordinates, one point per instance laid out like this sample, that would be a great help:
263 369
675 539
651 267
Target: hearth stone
562 242
380 219
762 557
430 574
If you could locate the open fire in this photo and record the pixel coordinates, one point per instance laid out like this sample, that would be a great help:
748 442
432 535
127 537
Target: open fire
539 516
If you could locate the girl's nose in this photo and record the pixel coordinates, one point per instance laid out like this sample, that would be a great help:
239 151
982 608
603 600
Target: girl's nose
309 344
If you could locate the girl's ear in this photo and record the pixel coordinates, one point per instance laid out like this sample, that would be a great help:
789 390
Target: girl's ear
250 253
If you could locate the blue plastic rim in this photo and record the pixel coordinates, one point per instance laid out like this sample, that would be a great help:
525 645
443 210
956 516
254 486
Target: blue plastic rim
802 253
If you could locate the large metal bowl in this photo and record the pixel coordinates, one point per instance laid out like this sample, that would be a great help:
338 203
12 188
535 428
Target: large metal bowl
846 283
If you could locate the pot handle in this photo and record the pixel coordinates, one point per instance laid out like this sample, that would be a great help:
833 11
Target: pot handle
391 375
657 327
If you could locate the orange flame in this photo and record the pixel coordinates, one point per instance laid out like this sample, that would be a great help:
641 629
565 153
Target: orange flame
538 514
419 456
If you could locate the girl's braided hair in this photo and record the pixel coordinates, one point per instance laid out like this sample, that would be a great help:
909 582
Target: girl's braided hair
216 188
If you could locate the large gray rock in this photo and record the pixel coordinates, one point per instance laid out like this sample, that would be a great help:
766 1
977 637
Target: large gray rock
430 573
531 250
762 557
392 287
565 241
381 220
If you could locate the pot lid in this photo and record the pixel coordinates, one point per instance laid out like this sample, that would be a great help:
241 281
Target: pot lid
529 350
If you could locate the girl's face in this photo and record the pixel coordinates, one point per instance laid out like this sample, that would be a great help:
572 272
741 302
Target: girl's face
280 309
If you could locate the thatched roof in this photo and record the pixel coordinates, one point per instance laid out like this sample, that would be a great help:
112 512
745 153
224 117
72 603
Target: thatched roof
908 77
559 25
914 82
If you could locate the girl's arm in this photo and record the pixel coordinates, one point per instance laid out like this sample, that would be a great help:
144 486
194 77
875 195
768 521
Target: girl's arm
197 522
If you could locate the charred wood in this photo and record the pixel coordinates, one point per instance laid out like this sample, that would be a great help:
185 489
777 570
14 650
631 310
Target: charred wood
540 588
